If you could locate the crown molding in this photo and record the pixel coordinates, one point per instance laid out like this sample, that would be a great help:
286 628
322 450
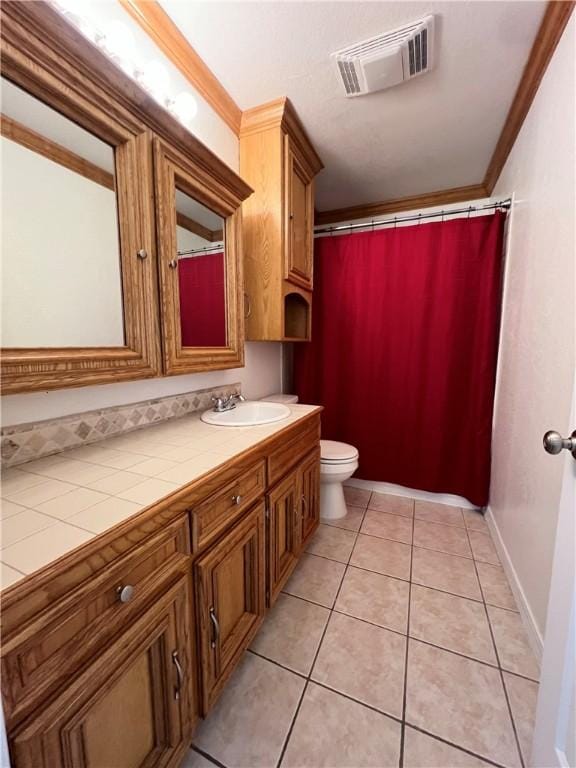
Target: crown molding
370 210
280 113
551 28
162 30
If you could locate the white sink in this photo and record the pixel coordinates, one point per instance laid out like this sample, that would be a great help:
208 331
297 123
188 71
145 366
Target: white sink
247 414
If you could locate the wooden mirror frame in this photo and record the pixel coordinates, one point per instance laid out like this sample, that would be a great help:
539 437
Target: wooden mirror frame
175 170
36 57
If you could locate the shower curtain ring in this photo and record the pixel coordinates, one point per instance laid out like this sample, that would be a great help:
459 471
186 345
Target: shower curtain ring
469 210
419 219
372 225
395 222
442 216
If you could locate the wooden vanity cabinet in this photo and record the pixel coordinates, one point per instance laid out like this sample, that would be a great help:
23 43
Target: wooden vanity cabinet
309 472
279 162
91 680
293 512
130 708
230 582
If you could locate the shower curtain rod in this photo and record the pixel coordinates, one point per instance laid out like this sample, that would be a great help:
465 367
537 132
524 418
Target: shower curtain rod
415 217
198 251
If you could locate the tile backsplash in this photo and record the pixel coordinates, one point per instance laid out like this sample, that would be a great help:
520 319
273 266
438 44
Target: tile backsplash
26 442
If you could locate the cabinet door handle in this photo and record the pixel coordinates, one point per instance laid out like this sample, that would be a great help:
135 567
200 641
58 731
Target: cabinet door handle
179 674
304 505
216 626
236 498
125 593
247 305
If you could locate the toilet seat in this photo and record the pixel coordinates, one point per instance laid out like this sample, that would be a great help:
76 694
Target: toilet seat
333 452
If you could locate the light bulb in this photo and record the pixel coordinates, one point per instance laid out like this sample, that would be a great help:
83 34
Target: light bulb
184 107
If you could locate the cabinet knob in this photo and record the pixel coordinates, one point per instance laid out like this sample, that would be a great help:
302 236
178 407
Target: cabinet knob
173 263
142 254
236 499
125 593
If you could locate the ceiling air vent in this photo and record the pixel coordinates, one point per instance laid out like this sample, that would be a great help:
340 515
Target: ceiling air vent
386 60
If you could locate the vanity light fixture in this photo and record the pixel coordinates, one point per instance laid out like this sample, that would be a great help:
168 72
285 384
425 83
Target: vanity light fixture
119 44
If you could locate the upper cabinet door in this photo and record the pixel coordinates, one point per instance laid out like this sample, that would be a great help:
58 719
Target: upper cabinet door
299 219
199 247
79 273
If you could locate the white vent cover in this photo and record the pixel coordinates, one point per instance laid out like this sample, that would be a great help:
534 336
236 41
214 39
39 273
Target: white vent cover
386 60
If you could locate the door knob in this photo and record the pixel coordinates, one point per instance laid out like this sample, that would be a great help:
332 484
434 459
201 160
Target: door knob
554 442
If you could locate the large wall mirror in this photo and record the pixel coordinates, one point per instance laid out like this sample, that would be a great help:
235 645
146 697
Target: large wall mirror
79 287
201 266
198 239
60 246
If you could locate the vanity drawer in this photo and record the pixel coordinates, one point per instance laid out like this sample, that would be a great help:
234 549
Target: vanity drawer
212 516
52 648
284 458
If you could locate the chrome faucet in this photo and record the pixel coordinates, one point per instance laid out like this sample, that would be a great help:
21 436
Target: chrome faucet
226 403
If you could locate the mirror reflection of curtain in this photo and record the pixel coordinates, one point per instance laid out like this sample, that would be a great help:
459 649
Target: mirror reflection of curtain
202 300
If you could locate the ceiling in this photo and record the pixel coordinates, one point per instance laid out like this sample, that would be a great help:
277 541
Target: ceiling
434 132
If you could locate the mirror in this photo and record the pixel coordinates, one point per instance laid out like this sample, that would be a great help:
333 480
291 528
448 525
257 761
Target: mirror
201 273
61 267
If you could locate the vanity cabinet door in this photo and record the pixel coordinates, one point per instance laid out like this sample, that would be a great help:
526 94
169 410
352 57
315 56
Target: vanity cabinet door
310 495
131 708
284 516
230 583
299 220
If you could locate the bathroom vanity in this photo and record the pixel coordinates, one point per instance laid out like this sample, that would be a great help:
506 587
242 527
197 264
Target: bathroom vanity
112 653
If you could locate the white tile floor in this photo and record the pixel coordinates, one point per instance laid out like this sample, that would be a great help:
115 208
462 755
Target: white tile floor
396 643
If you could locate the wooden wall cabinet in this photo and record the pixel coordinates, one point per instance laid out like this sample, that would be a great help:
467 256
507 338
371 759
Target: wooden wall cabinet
44 56
279 162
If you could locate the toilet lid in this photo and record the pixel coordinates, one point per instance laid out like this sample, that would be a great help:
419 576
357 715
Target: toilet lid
333 452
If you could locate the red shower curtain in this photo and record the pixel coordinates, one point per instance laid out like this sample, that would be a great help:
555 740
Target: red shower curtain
202 300
403 356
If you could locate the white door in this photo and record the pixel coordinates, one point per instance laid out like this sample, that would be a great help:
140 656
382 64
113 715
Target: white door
554 743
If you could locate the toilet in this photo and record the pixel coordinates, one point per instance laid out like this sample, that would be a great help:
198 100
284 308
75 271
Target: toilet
338 462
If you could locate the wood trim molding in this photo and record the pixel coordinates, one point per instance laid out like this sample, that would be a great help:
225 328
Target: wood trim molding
369 210
162 30
551 28
194 226
26 137
280 113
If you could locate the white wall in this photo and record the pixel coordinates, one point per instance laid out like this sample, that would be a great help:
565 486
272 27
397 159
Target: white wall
537 348
61 282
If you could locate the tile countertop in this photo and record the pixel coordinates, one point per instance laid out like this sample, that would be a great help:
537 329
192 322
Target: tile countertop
53 505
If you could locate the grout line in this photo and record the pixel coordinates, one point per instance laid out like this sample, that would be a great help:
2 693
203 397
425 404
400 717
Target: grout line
517 740
309 676
405 691
452 744
357 701
277 663
207 756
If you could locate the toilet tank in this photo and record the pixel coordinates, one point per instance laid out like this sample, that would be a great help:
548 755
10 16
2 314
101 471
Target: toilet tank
279 398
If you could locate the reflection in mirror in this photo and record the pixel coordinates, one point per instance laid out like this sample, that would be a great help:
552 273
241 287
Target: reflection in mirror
61 270
201 273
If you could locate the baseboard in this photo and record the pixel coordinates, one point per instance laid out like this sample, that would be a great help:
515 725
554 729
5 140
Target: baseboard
534 635
413 493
